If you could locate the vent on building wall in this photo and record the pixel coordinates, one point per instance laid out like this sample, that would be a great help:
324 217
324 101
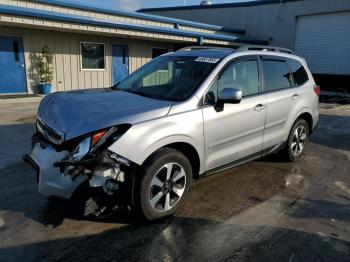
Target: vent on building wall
206 3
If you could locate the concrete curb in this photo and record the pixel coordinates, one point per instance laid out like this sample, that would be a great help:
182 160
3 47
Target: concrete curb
21 100
335 93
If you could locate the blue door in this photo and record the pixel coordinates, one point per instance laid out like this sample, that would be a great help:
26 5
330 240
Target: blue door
120 63
12 69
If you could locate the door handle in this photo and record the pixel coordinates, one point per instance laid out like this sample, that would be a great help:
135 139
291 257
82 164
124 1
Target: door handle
259 107
21 66
295 96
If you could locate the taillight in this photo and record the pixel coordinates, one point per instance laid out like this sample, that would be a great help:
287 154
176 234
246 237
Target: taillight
317 90
97 137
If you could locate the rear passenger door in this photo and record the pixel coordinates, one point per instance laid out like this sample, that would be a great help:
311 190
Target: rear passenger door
280 99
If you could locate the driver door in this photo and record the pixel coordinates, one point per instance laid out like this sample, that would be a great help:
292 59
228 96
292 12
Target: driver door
236 131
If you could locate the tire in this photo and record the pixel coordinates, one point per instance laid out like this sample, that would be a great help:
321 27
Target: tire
297 140
165 184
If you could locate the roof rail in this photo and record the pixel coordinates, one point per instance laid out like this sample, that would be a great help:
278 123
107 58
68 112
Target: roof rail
264 48
191 48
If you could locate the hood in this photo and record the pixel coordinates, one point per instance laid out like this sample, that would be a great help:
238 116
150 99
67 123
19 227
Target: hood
79 112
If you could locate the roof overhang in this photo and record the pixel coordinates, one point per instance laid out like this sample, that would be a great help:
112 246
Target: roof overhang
150 17
213 6
92 21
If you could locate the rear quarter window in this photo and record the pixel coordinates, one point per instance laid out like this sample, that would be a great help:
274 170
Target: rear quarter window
276 75
298 72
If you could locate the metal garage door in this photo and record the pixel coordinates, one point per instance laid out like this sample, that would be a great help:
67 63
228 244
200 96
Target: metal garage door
324 40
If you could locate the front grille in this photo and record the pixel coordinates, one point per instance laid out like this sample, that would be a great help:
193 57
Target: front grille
49 133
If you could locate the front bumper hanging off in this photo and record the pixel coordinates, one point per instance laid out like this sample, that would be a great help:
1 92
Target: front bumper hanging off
52 182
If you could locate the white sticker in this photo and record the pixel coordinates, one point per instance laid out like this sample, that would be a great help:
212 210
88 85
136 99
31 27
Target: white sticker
207 60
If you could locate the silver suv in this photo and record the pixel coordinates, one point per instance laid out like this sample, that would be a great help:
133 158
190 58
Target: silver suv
199 110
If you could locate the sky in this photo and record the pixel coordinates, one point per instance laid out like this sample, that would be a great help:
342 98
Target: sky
133 5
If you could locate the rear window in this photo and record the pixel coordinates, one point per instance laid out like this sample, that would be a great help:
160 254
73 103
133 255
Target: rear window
298 72
277 75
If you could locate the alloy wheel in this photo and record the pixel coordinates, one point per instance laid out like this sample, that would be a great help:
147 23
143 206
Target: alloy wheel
298 141
167 187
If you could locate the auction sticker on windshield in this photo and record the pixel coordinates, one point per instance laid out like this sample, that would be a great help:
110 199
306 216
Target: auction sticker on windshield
207 60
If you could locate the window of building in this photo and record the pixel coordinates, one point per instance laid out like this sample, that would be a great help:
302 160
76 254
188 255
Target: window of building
277 75
298 72
158 51
92 56
16 50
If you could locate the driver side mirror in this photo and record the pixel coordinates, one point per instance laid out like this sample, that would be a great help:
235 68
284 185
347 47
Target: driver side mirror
230 96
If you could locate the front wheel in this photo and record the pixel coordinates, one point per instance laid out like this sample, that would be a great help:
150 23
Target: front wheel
165 184
298 137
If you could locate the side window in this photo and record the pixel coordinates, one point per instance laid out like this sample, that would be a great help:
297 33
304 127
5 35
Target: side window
277 75
298 72
242 75
212 94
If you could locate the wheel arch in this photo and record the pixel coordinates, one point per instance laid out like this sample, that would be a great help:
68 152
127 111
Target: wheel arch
308 118
303 113
188 150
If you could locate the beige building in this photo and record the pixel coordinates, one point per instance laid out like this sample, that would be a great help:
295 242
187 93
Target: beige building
92 47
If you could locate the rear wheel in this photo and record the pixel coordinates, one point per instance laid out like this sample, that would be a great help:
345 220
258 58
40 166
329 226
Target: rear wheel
298 137
164 187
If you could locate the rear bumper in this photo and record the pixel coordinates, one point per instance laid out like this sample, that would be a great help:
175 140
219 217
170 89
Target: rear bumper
51 181
316 117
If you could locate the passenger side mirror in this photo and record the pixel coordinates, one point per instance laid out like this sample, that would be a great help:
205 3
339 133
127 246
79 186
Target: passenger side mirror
230 96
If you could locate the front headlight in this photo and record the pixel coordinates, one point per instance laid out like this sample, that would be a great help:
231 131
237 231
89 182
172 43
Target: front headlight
98 141
82 149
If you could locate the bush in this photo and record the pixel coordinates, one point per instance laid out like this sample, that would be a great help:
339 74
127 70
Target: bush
45 65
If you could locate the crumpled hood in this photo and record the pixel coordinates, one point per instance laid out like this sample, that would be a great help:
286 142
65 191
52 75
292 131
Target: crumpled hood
79 112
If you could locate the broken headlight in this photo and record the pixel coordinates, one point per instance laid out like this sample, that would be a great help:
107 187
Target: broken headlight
98 141
82 149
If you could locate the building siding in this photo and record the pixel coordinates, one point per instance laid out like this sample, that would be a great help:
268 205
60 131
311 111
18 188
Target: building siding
67 65
75 11
19 21
64 33
273 22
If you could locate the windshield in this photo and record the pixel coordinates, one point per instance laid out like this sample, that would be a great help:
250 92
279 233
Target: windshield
172 78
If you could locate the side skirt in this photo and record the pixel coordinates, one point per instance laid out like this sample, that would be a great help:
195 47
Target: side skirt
244 159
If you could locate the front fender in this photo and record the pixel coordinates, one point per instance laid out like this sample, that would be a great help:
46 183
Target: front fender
144 138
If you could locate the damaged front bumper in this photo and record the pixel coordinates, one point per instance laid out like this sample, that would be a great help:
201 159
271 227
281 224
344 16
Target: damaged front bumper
60 176
52 181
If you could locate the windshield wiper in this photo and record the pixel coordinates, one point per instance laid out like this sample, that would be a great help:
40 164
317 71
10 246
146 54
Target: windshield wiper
148 95
117 88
